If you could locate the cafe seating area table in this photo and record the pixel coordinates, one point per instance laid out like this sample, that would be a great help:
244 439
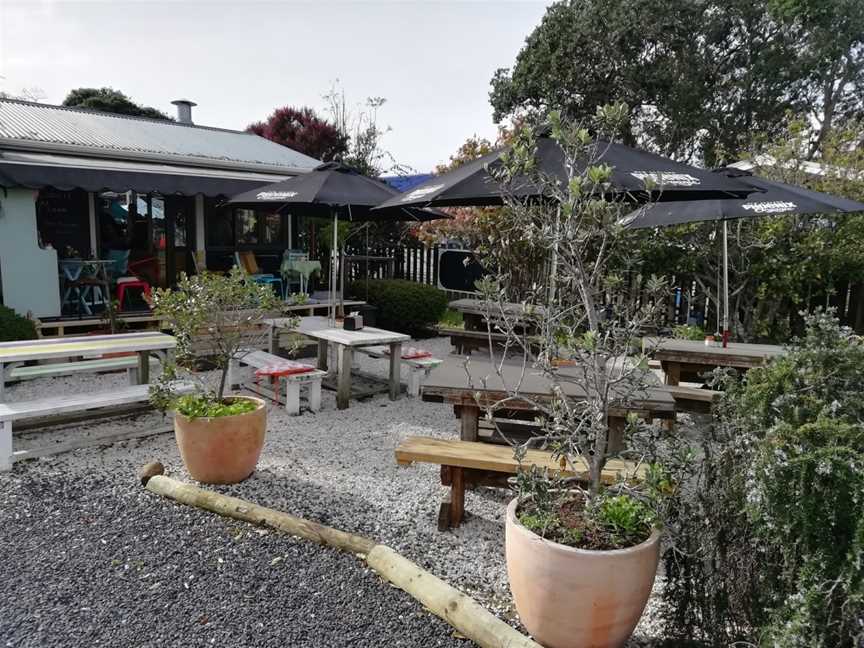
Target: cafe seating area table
63 349
318 328
688 360
85 283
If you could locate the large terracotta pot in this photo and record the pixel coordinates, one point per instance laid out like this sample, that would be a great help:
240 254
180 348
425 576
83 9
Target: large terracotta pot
225 449
577 598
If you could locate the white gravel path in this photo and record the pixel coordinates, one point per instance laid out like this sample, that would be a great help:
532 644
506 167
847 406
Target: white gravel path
335 467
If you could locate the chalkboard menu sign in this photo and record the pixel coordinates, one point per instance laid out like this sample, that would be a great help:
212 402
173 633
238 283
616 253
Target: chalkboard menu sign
63 220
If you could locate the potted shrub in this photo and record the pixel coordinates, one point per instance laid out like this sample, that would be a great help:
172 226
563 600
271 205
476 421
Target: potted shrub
220 317
581 558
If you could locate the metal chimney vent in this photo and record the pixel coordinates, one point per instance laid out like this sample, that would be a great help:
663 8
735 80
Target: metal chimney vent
184 110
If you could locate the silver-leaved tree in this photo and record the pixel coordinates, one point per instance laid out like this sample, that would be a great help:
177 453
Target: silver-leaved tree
581 331
215 317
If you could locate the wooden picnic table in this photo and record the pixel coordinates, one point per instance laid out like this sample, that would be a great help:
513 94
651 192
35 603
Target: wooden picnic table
143 344
474 312
687 360
450 383
318 328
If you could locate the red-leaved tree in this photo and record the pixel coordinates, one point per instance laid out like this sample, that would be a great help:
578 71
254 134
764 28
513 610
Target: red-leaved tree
304 131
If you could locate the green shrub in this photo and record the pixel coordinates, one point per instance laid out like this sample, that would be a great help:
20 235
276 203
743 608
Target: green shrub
688 332
202 406
769 547
403 306
14 327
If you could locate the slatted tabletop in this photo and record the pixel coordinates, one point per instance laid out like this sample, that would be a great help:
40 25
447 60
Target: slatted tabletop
319 329
44 349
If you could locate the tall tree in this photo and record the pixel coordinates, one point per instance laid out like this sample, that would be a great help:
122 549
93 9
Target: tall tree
304 131
701 76
110 100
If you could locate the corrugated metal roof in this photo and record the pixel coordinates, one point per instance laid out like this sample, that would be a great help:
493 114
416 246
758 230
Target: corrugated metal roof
113 135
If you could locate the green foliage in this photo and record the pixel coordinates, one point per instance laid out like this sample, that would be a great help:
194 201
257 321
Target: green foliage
403 306
200 406
769 544
700 77
110 100
14 327
451 319
688 332
227 310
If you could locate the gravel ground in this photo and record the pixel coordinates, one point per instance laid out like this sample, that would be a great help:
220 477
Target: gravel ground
96 560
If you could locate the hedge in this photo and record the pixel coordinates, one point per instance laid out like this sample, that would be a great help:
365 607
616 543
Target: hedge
14 327
403 306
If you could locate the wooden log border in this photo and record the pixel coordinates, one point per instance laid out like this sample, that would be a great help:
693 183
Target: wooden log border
459 610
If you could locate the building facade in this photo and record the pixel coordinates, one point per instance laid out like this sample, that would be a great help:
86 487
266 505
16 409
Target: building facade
82 184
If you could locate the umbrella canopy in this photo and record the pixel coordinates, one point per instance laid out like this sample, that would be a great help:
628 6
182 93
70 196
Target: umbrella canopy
334 188
474 183
773 198
337 191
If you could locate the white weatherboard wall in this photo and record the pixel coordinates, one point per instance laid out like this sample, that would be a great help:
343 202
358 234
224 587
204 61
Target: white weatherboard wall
30 280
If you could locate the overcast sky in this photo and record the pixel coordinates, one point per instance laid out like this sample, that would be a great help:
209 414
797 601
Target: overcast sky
238 60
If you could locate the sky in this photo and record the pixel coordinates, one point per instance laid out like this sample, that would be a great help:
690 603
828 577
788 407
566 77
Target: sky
431 60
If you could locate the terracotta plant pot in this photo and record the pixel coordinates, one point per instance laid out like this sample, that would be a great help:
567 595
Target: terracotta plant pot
225 449
578 598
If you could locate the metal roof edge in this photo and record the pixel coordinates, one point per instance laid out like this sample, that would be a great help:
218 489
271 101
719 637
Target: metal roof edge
118 154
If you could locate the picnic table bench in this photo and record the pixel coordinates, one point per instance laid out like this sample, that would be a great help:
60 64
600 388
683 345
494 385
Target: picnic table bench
449 383
241 373
56 405
689 360
466 463
418 368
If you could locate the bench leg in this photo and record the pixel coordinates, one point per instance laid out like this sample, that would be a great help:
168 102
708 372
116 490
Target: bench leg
415 377
5 445
469 416
292 397
452 510
132 375
315 395
234 378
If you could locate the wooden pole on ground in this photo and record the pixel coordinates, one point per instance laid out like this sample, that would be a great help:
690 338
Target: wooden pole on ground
459 610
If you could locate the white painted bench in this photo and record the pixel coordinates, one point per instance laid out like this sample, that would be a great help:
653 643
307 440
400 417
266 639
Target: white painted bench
418 368
129 363
241 373
10 412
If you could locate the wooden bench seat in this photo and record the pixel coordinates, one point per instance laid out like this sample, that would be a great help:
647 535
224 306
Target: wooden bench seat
692 399
129 363
16 411
465 341
466 463
418 368
241 373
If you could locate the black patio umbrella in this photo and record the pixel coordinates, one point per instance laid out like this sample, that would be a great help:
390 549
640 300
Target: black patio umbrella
474 183
773 198
337 191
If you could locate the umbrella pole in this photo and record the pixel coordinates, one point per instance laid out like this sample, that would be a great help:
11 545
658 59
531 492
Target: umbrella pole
725 284
333 270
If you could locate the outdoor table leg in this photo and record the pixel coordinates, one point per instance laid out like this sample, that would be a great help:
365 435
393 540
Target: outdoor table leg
672 372
395 364
343 391
143 367
322 355
272 339
2 382
469 416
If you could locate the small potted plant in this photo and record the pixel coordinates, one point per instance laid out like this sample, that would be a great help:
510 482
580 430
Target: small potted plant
219 317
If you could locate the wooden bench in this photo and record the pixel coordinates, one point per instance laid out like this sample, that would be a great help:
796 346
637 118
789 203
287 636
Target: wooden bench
692 399
467 463
10 412
418 368
129 363
465 341
241 373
